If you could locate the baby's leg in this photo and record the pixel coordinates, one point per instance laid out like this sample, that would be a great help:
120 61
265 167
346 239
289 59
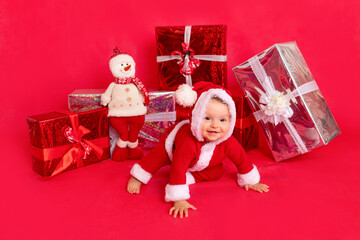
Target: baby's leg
209 174
142 172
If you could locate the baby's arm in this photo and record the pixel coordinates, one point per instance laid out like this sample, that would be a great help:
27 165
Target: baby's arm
106 96
177 190
248 176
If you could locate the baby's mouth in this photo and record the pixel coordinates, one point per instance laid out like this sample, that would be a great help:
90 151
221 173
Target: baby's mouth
212 132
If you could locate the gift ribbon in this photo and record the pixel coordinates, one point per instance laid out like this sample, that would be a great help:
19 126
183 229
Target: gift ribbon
243 123
277 108
188 61
75 152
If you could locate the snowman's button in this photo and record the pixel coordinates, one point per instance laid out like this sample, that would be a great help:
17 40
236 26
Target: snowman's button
127 89
129 99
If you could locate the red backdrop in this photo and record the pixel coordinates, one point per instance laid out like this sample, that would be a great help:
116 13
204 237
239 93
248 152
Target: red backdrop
48 48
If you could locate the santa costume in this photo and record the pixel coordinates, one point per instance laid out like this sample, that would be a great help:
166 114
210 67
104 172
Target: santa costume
126 99
192 159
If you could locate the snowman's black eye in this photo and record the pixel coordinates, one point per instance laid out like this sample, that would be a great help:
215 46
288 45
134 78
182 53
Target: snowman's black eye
127 64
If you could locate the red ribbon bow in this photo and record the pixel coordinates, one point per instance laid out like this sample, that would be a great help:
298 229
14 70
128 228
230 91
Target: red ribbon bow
81 147
187 67
73 138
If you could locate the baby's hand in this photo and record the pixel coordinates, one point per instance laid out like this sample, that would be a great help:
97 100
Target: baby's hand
181 207
259 187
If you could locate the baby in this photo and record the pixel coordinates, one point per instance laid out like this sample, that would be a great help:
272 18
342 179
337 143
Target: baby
195 149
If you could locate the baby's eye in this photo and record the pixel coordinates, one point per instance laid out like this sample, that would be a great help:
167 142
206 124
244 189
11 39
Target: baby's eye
223 120
207 118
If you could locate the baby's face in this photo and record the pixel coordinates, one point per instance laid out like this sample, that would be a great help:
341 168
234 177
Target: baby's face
216 123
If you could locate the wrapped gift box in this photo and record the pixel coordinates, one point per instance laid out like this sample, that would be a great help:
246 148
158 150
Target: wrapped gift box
82 100
246 128
64 140
189 54
286 101
159 117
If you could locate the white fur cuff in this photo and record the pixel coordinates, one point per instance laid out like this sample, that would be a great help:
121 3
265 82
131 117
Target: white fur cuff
140 174
251 178
122 144
189 178
133 144
176 192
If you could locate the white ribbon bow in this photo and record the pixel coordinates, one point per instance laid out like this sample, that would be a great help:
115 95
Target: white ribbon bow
275 105
187 34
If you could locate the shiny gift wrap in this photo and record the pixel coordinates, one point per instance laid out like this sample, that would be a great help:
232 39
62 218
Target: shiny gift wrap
246 128
82 100
159 117
286 101
189 54
64 140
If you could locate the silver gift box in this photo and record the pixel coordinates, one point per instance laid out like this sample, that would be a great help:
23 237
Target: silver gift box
286 101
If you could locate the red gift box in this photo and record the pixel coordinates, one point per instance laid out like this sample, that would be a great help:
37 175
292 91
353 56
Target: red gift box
191 54
65 140
246 128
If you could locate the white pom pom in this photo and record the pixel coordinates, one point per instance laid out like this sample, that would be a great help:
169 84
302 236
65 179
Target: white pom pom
185 96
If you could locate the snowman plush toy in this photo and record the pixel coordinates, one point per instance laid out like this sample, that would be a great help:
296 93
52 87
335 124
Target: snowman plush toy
126 99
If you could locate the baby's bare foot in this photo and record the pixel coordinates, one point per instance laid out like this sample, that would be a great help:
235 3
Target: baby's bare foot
133 186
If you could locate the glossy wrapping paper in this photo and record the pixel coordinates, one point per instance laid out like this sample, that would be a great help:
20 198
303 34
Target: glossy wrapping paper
159 117
246 128
204 40
62 140
82 100
311 122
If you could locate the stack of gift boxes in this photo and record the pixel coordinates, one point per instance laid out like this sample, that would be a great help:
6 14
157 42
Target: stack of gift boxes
279 97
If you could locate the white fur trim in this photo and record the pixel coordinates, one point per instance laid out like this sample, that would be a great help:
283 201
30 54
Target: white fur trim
176 192
122 144
133 144
206 153
251 178
200 108
185 96
189 178
140 174
169 142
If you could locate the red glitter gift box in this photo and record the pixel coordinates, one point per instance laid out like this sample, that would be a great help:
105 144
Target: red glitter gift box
65 140
189 54
246 128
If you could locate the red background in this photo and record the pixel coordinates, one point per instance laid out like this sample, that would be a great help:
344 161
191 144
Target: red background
49 48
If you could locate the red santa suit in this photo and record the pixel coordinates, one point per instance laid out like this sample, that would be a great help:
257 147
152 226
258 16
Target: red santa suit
191 159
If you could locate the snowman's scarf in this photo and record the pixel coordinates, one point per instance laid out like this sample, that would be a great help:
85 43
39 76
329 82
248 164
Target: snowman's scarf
137 83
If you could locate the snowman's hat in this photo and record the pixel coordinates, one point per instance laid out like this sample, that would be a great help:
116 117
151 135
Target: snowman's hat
116 52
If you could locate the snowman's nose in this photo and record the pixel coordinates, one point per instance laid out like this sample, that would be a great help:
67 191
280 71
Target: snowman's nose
127 68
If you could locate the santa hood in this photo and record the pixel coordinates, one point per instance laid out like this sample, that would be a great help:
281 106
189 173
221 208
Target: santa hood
198 97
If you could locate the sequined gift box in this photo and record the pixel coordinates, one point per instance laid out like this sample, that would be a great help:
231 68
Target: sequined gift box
286 100
64 140
189 54
159 117
246 128
81 100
